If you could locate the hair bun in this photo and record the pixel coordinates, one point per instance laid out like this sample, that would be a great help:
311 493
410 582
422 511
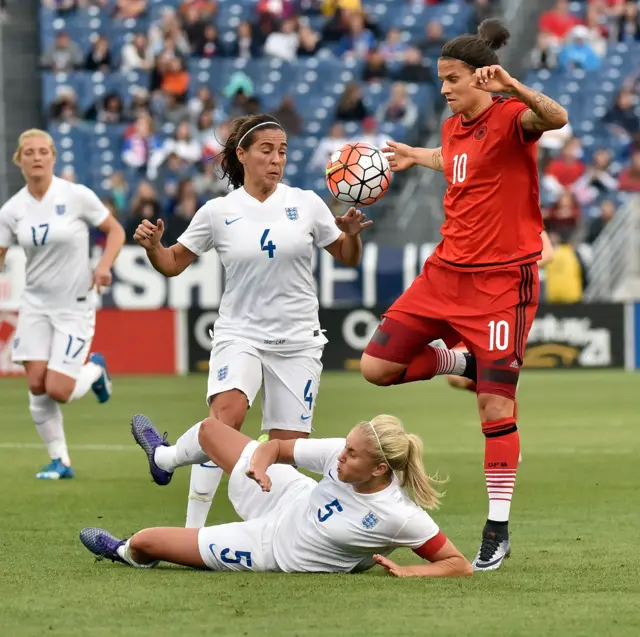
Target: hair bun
494 33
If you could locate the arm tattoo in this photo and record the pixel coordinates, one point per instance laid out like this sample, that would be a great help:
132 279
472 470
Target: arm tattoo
437 161
544 113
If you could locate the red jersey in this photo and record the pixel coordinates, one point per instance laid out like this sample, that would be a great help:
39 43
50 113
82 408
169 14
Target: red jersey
492 209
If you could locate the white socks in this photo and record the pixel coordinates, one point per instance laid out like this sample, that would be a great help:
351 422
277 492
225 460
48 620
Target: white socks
205 480
186 451
124 552
47 415
449 361
89 374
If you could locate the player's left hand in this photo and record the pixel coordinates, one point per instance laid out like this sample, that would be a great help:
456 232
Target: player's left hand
493 79
353 222
101 278
391 567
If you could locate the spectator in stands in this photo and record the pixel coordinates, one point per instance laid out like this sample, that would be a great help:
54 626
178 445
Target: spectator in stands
204 102
127 9
481 11
565 274
621 119
309 41
413 69
245 45
577 52
336 138
119 189
186 205
399 108
563 172
144 205
63 55
628 24
558 21
213 141
166 35
141 145
140 103
108 110
370 133
359 40
207 9
597 225
545 53
99 57
564 215
375 68
136 54
193 24
279 10
65 107
630 178
207 183
183 144
208 46
393 48
288 116
434 39
351 106
170 173
596 22
283 44
597 180
175 79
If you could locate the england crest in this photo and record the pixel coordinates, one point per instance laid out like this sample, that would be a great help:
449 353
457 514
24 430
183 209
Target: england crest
292 213
370 520
60 209
223 372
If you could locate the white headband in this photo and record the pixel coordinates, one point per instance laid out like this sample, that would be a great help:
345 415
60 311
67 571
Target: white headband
258 126
375 433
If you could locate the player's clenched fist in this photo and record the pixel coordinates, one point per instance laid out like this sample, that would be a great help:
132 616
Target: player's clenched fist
148 235
492 79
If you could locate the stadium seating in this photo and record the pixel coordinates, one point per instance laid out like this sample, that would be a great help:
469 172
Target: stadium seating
315 83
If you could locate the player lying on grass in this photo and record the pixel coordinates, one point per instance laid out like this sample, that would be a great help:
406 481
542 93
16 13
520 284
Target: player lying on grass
349 521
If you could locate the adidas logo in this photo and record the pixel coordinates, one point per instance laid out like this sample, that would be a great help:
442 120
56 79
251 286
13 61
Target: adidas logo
514 365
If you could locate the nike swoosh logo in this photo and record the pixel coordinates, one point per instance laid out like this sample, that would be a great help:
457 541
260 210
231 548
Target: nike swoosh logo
329 474
305 417
228 223
210 466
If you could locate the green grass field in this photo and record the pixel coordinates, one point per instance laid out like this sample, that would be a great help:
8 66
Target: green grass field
575 568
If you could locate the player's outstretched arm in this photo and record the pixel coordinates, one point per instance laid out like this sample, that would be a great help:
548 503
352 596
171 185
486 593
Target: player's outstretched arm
402 156
447 562
168 261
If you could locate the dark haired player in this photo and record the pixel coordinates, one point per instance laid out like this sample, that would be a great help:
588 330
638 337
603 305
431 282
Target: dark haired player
481 284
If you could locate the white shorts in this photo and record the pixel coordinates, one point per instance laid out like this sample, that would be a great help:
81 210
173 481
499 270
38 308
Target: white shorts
248 545
289 381
63 338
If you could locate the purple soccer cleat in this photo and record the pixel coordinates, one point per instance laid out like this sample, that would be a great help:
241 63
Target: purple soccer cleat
149 438
101 543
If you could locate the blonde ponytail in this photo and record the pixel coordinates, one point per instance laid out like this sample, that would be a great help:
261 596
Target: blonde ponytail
402 452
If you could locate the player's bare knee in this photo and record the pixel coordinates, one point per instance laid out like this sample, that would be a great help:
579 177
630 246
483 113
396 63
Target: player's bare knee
230 407
37 386
209 429
59 392
494 407
375 370
143 543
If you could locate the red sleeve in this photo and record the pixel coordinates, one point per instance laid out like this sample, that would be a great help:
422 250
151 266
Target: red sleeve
511 113
431 547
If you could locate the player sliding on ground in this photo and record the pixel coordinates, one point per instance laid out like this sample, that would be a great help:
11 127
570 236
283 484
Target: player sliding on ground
268 336
50 220
481 284
349 521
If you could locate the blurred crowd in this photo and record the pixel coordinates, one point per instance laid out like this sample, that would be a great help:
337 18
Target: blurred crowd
173 175
581 192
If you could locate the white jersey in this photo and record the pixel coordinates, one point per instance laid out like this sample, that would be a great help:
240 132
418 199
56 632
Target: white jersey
54 233
266 250
333 528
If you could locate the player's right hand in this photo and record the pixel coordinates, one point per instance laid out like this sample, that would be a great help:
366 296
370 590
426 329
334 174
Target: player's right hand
148 235
260 477
400 156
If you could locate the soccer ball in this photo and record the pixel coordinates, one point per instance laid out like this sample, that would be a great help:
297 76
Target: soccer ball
358 174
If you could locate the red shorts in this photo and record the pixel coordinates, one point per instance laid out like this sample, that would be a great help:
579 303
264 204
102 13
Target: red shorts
491 312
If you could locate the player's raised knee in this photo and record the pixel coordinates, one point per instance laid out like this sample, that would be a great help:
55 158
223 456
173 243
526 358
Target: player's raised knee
59 393
377 371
